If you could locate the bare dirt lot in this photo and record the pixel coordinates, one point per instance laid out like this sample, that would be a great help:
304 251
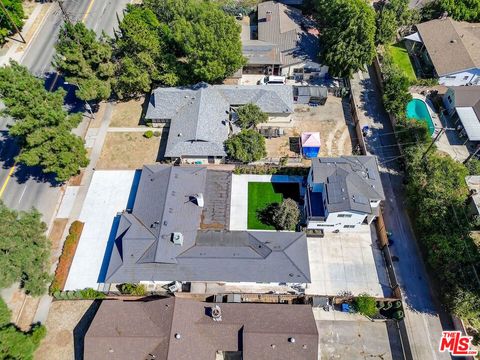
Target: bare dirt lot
128 150
127 114
64 320
329 119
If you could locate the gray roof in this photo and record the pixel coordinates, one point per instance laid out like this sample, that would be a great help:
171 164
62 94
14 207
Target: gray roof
311 91
452 45
281 38
199 115
134 329
467 96
351 182
165 205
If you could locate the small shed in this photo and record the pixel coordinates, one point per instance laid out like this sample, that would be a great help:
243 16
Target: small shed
310 95
310 142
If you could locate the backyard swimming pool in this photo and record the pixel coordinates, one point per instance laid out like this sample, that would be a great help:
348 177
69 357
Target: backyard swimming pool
417 109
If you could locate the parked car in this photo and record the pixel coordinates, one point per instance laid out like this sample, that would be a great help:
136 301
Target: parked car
272 80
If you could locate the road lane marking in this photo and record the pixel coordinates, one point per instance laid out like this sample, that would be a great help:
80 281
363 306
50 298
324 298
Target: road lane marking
23 193
10 173
89 8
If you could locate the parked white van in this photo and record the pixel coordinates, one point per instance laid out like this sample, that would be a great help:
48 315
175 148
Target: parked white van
272 80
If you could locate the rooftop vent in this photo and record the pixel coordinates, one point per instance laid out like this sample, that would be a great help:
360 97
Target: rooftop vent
198 199
177 238
291 340
216 313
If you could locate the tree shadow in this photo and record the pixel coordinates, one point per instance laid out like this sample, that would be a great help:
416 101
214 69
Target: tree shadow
265 215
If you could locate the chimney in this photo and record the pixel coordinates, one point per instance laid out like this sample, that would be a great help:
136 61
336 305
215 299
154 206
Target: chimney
268 16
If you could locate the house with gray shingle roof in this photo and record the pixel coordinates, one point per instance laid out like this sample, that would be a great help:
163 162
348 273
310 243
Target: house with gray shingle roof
284 42
183 329
178 231
343 193
200 117
450 47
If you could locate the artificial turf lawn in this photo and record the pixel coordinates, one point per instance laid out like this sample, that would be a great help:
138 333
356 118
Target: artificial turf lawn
262 194
402 60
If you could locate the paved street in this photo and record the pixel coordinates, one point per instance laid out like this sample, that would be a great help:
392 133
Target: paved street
27 187
422 316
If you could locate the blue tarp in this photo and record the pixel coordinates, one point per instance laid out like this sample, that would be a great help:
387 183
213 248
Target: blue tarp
310 152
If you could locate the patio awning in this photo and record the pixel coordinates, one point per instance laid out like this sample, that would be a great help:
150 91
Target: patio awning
311 139
470 122
414 37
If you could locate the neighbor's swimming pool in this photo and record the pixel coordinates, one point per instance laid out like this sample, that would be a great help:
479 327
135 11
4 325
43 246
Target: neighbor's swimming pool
417 109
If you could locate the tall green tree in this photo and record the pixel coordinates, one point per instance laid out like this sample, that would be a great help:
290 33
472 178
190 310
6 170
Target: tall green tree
246 146
15 9
25 250
286 215
250 115
461 10
85 61
347 34
396 95
42 125
392 15
14 343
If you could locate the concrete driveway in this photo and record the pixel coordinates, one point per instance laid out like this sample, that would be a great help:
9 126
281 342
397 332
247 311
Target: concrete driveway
109 193
347 262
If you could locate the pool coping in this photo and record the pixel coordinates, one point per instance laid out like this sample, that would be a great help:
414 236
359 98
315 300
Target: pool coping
433 115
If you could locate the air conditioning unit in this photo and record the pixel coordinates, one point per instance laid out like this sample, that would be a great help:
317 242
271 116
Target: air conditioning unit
177 238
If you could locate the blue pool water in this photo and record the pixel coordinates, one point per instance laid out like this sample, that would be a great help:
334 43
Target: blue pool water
417 109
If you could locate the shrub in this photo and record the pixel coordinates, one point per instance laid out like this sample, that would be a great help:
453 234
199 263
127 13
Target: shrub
271 170
148 134
388 305
132 289
85 294
398 315
157 133
365 304
286 215
66 258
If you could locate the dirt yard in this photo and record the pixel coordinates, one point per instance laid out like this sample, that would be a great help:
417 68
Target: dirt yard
127 114
128 150
62 321
328 119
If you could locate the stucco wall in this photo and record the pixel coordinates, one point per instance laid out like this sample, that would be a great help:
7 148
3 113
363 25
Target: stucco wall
460 78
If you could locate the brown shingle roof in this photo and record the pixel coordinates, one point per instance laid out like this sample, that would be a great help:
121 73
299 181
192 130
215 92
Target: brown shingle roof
133 330
453 46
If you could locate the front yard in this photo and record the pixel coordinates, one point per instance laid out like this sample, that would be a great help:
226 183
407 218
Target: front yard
401 59
263 194
128 150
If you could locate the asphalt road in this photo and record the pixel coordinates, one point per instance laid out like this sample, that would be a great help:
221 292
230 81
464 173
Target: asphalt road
424 317
28 187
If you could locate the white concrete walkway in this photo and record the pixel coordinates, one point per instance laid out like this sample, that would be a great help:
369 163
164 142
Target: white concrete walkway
108 194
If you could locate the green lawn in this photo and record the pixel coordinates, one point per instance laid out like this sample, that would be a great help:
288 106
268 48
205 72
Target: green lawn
260 195
402 60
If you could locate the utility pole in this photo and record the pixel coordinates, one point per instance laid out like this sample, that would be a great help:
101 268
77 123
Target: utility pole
442 130
11 20
65 14
472 155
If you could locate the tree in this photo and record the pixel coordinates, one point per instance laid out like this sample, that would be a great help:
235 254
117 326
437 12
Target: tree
246 146
461 10
396 95
365 304
386 26
5 313
42 125
140 49
85 61
250 115
286 215
16 344
347 34
25 250
15 9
